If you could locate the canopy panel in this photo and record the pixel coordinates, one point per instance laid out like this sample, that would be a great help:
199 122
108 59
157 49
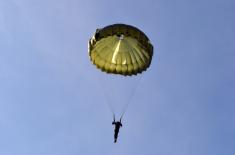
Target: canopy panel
120 49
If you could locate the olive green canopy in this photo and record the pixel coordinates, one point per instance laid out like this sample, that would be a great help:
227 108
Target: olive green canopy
120 49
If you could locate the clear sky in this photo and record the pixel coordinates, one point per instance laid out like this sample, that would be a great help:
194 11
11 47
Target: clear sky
52 100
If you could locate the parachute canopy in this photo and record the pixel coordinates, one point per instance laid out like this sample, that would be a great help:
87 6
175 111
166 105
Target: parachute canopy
120 49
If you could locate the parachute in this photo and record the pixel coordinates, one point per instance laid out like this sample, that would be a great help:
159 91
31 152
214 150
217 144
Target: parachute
120 49
124 50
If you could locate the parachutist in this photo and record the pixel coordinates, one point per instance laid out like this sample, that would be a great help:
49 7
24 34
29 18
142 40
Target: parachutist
117 124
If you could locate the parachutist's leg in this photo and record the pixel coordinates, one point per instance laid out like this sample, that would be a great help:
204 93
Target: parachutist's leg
115 136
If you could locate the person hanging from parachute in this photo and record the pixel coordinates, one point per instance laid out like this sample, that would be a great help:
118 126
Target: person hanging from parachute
120 49
117 124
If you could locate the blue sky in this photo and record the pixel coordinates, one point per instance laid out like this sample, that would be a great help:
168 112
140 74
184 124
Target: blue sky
51 99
